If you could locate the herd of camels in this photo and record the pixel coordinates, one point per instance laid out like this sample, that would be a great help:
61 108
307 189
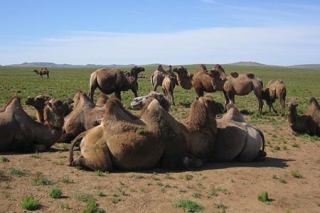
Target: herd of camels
112 137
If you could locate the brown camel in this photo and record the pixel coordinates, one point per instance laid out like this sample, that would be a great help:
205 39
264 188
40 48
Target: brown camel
127 142
184 78
236 84
110 80
42 72
308 123
84 116
19 132
236 139
168 85
102 100
157 77
275 90
39 103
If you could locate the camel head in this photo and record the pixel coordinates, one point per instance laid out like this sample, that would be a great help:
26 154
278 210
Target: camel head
54 112
135 70
182 71
38 102
219 68
292 107
140 102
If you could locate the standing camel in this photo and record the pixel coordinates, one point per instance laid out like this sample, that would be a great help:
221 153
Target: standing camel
158 76
110 80
42 72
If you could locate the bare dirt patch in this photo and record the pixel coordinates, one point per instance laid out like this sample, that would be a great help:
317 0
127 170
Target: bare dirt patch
217 187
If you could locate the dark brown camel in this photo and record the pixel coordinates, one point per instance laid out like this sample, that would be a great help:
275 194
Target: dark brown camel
113 80
42 72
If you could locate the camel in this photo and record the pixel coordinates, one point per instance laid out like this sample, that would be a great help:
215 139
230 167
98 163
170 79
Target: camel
42 72
308 123
39 103
275 90
19 132
168 86
159 75
102 100
84 116
184 78
236 139
113 80
128 142
236 84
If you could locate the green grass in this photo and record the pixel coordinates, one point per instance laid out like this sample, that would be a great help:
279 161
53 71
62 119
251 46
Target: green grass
55 192
29 203
296 174
188 205
17 172
40 179
264 197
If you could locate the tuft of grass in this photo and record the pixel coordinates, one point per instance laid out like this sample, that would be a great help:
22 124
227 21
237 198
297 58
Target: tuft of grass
66 180
17 172
29 203
4 160
100 193
36 155
196 195
84 197
220 206
188 177
296 174
64 206
40 179
263 197
99 173
188 205
92 207
55 193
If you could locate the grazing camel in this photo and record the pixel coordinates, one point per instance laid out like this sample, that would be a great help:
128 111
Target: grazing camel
42 72
84 116
236 139
275 90
308 123
168 86
19 132
110 80
39 103
128 142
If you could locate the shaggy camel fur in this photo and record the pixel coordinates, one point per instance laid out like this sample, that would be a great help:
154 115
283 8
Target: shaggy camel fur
236 84
184 78
308 123
42 72
168 86
113 80
127 142
84 116
275 90
236 139
102 100
19 132
159 75
39 103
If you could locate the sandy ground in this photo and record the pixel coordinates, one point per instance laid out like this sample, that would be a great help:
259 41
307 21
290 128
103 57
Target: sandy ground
217 187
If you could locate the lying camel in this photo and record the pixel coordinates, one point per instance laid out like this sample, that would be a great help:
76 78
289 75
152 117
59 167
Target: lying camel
127 142
236 139
308 123
84 116
39 103
275 90
19 132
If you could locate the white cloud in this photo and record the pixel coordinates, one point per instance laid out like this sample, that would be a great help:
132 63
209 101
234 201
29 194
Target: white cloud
279 46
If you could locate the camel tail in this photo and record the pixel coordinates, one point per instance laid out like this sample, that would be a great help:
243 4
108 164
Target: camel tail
92 84
74 142
261 154
152 83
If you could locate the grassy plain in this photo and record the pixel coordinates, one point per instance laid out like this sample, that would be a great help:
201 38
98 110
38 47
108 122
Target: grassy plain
287 181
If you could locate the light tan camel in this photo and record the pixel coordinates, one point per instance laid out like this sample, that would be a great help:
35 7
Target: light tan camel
127 142
113 80
236 139
42 72
39 103
84 116
168 85
275 90
19 132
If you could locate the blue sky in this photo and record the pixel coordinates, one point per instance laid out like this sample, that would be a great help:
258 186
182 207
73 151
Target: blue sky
176 32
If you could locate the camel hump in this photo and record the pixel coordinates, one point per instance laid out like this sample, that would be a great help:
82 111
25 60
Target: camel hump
234 74
203 67
250 75
279 81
